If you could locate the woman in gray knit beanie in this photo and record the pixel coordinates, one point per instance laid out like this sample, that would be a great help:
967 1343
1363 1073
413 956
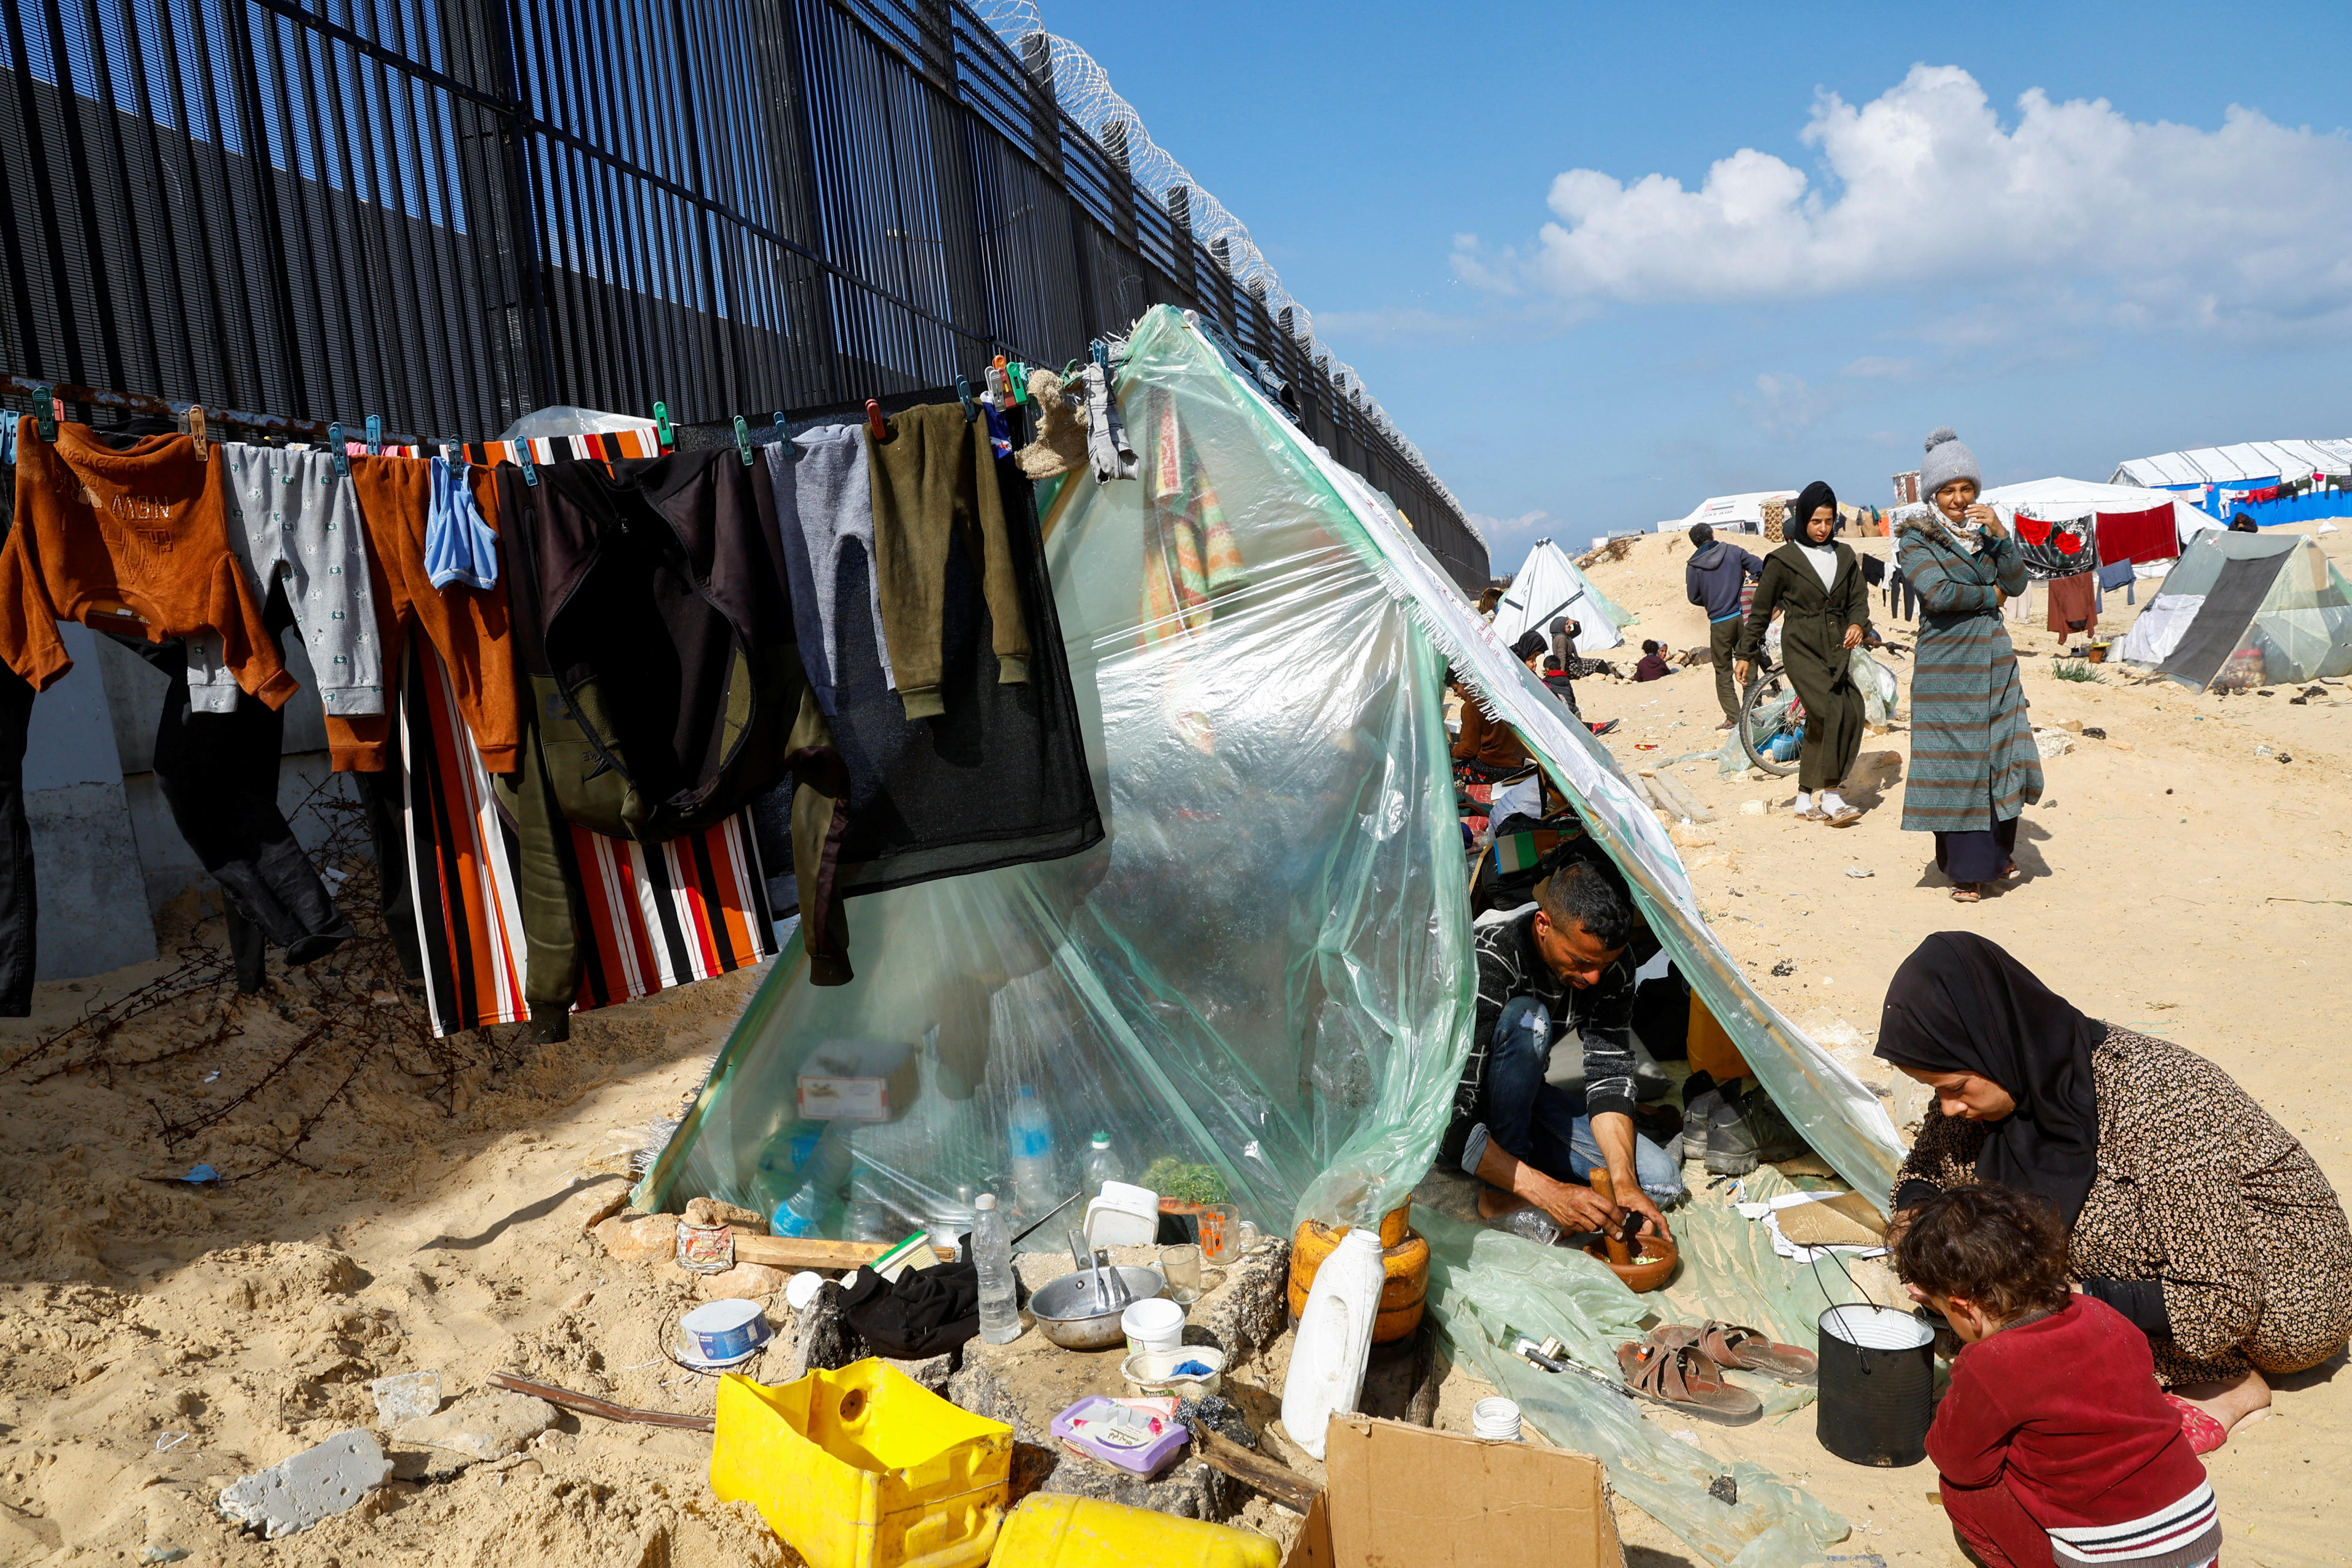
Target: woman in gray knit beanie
1974 765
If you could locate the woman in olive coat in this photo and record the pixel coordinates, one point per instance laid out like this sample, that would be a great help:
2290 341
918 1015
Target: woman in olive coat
1816 584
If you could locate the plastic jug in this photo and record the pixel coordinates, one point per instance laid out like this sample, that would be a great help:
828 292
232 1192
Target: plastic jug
1047 1532
1335 1339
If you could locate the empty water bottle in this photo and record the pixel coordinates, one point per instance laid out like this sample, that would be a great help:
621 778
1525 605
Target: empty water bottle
991 1254
1036 1183
1103 1163
812 1202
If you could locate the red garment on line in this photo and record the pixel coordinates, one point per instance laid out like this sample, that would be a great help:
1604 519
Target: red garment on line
2141 537
2074 602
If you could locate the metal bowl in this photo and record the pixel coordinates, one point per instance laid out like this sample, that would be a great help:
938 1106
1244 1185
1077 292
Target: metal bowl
1067 1313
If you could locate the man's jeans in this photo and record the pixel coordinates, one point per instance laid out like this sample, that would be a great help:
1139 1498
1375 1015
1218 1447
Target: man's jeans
1546 1126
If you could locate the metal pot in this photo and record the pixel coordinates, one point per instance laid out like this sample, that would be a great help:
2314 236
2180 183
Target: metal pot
1067 1313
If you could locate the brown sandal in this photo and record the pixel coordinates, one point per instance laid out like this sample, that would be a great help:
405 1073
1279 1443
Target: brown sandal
1737 1346
1682 1377
1967 893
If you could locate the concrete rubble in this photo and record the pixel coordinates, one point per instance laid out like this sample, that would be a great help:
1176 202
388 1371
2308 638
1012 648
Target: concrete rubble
315 1484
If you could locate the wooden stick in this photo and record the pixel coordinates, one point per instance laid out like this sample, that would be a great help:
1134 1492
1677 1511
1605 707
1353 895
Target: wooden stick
588 1405
799 1252
1286 1487
1618 1252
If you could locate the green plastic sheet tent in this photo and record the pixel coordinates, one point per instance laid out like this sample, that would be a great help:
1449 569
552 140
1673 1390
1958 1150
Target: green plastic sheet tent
1263 972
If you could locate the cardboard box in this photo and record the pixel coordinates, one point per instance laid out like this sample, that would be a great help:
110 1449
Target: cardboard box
1400 1496
858 1080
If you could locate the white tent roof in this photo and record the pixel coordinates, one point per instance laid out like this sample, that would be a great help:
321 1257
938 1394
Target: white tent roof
1721 510
2044 495
2237 465
1548 585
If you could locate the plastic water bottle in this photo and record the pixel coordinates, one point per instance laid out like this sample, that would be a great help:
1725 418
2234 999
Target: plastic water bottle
811 1203
1535 1224
1034 1178
991 1254
1103 1163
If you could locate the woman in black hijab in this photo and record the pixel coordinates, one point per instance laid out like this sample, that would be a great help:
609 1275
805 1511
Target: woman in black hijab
1817 586
2190 1209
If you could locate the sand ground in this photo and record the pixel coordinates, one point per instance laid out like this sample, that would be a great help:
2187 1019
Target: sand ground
156 1341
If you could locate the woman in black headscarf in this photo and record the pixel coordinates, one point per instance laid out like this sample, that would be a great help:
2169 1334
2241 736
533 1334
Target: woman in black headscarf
1817 586
2189 1210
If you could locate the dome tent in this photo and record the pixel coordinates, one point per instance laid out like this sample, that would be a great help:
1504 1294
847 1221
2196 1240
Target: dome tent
2239 607
1547 586
1224 981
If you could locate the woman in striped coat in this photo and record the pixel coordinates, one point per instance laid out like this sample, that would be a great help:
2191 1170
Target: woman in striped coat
1974 766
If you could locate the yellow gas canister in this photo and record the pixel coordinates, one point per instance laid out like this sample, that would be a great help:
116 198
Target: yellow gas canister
1085 1532
864 1468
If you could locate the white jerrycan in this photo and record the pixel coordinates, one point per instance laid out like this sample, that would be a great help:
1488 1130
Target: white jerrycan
1334 1339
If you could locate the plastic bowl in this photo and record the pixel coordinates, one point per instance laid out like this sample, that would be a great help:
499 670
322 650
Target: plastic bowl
1152 1374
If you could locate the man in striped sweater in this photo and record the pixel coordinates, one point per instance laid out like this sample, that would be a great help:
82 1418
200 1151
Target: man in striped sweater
1567 962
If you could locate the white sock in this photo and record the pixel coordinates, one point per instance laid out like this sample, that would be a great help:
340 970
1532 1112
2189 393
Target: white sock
1830 803
1803 803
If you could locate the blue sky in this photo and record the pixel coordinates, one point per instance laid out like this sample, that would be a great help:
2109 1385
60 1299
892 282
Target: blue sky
1876 230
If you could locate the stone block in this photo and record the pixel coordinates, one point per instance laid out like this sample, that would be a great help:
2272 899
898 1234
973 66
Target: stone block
406 1397
315 1484
744 1282
648 1240
712 1210
1250 1307
489 1425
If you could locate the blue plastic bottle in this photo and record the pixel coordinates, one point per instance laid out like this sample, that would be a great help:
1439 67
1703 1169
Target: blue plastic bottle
1037 1179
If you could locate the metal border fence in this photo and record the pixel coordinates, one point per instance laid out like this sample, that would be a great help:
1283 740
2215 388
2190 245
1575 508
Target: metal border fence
449 212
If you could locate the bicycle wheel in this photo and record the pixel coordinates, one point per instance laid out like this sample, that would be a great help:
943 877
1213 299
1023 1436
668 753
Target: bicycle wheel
1771 717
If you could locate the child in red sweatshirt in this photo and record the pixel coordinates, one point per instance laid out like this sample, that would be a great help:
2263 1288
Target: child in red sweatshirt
2055 1445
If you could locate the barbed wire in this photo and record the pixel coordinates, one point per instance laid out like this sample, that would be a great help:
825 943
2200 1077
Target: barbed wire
1085 92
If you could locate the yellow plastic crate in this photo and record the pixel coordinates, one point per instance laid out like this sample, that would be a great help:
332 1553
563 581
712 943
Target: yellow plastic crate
864 1468
1086 1532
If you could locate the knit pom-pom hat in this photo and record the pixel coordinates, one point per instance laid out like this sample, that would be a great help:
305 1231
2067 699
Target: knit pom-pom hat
1946 460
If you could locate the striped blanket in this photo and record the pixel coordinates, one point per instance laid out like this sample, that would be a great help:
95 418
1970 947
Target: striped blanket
651 916
1973 760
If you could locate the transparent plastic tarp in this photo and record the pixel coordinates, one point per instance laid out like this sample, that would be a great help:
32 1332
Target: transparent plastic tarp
2301 630
1489 1289
1259 982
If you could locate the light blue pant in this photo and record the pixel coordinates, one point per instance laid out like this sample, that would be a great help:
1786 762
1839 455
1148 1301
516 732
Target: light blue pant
1547 1126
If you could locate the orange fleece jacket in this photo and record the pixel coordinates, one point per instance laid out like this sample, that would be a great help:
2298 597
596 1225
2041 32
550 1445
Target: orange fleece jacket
468 628
130 542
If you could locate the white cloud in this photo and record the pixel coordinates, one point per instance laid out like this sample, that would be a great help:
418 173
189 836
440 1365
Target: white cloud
1509 538
1784 405
2163 225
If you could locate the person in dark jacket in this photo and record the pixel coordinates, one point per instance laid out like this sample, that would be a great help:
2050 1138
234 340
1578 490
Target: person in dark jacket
1817 586
2243 523
1654 664
1712 581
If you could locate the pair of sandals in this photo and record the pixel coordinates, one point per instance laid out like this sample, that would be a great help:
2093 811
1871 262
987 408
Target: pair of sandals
1844 816
1973 893
1682 1368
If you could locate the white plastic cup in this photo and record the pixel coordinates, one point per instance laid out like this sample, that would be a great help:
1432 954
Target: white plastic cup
1156 1324
1495 1420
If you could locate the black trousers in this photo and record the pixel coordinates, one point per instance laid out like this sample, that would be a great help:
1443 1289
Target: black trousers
219 775
19 908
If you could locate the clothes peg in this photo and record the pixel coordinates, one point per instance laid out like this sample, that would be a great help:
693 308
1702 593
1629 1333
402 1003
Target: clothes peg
1099 354
743 438
45 411
196 429
661 425
873 425
335 449
963 395
1017 374
792 449
530 468
375 435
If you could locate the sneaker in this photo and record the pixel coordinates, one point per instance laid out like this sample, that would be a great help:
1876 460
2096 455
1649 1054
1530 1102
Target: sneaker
1744 1134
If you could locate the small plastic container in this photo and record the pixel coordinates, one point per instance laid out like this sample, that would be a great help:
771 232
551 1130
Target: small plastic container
1152 1374
1157 1324
725 1330
1123 1214
1102 1428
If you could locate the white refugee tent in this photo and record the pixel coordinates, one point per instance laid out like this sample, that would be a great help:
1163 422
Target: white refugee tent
1743 512
2188 520
2245 463
1547 586
2246 608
